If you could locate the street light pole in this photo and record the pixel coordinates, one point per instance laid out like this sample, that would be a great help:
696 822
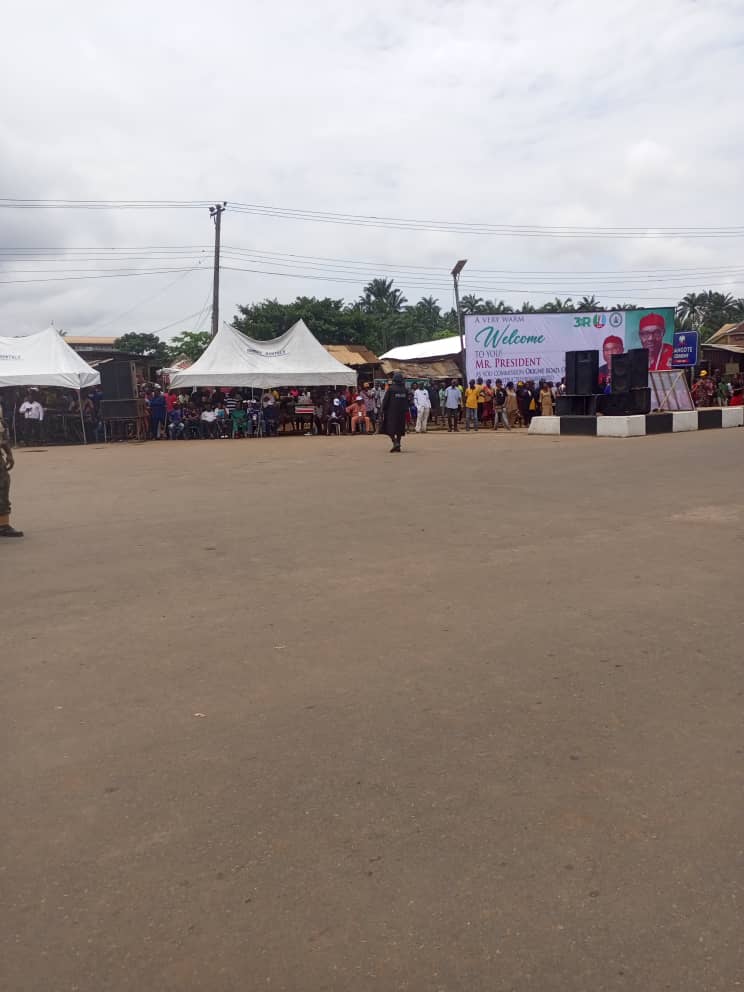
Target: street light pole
459 266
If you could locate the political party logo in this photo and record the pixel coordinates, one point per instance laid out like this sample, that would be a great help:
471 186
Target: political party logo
597 320
616 319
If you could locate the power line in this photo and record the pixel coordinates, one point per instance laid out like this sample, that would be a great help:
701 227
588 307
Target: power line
108 275
182 252
502 230
147 299
17 203
391 222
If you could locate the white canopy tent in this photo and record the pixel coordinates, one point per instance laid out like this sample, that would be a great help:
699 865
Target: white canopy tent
44 359
294 359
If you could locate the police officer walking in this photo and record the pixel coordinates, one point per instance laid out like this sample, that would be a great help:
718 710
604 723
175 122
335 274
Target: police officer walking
394 409
6 464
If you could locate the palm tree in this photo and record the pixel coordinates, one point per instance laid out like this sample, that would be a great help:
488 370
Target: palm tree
500 307
428 312
589 304
380 297
690 310
527 307
624 306
557 306
470 304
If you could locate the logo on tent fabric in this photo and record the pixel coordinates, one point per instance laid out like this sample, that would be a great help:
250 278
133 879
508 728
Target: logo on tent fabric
267 354
8 357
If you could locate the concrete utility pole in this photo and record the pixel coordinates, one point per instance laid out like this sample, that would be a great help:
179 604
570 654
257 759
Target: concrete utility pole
459 266
216 213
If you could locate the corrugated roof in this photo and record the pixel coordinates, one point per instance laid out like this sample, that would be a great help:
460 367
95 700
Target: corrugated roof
443 368
351 354
737 349
723 333
438 348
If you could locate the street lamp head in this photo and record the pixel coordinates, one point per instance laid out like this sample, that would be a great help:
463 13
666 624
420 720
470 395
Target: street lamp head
459 266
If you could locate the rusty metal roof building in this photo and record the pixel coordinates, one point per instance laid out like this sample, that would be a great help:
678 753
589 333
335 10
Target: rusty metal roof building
353 355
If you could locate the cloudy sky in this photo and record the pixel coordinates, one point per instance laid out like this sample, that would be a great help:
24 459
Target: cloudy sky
486 112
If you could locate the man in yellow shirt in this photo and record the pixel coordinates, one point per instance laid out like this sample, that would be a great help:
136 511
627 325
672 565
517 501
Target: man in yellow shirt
471 405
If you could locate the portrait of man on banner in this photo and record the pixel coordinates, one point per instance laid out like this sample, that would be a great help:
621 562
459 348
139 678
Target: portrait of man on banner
654 331
612 345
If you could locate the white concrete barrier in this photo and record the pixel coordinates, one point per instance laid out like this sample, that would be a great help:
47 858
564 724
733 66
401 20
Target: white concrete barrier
633 426
732 416
684 420
545 425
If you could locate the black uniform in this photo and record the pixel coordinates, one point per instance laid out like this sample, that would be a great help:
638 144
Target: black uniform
394 409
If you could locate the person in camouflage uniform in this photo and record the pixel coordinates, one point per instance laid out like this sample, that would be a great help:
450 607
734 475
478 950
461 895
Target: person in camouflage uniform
6 464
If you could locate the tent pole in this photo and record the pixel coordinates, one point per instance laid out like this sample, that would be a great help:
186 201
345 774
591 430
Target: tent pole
82 419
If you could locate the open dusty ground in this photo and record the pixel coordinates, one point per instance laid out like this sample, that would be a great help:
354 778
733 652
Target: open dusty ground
302 715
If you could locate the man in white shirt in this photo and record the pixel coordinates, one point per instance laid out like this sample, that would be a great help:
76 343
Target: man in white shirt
422 402
33 416
209 422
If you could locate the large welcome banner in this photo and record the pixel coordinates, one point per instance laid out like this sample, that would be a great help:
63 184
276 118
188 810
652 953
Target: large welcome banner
518 346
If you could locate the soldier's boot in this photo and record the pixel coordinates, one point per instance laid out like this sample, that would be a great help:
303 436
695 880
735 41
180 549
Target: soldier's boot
7 531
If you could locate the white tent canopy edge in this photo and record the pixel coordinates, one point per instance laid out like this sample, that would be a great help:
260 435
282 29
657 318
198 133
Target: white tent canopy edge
296 358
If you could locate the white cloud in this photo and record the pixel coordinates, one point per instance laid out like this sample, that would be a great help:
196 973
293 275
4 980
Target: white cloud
571 113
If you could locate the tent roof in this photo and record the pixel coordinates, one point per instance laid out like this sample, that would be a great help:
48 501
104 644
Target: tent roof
43 359
296 358
352 354
439 348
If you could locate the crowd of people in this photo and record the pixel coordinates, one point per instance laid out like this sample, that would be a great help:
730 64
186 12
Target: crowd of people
714 390
217 413
228 413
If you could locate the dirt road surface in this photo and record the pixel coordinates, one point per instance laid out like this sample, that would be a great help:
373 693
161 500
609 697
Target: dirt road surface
303 715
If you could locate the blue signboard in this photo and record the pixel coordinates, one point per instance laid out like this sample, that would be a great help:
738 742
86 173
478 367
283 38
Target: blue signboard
685 349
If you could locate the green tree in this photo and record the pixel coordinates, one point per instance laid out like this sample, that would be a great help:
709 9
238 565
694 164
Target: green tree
383 304
589 304
470 304
191 343
149 345
380 297
557 306
331 321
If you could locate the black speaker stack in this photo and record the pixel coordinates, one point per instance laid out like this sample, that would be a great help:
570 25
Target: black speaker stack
629 377
630 391
582 373
118 380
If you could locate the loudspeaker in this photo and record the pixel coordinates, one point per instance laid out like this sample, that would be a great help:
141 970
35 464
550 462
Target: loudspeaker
576 406
638 367
620 373
625 404
582 372
118 380
640 398
123 409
